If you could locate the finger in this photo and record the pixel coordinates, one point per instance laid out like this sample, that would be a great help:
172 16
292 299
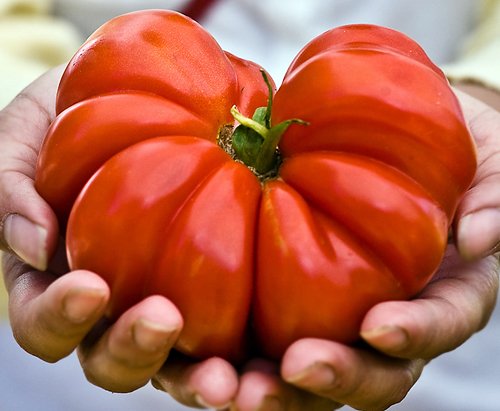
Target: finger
134 348
454 306
50 317
261 388
211 383
359 378
478 216
28 226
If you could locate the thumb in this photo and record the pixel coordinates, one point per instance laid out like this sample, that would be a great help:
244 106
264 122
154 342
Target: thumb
28 226
477 222
478 233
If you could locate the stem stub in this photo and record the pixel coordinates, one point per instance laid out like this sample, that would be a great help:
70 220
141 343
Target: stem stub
255 141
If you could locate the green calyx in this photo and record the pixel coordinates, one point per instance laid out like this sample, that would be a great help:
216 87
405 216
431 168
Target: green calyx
255 141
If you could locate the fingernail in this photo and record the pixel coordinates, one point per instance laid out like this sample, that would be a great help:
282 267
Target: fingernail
202 402
27 240
387 337
80 304
316 376
151 336
270 403
478 234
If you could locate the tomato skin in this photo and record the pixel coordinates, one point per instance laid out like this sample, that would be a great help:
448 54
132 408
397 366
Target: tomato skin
359 37
312 242
110 123
305 254
207 265
251 88
115 110
402 113
358 214
126 190
159 52
399 211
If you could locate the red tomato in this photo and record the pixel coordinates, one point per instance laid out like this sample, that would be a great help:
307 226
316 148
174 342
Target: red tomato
357 212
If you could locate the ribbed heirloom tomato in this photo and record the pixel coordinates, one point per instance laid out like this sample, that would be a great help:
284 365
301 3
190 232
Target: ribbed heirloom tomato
337 194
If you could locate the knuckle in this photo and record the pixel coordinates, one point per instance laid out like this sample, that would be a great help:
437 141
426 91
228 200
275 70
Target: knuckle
398 391
378 394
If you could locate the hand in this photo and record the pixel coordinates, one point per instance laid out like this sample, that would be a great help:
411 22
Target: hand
52 314
322 375
62 310
401 337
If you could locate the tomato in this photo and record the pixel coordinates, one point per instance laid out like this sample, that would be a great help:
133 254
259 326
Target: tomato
335 193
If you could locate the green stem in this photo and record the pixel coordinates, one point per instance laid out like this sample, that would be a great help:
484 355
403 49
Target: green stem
263 131
255 141
267 155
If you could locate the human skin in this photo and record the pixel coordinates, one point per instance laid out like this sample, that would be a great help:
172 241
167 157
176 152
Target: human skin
52 315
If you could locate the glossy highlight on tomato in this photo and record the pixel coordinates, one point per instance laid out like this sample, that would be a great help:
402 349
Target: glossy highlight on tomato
366 188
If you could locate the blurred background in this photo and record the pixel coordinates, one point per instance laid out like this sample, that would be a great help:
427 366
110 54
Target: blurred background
38 34
32 40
